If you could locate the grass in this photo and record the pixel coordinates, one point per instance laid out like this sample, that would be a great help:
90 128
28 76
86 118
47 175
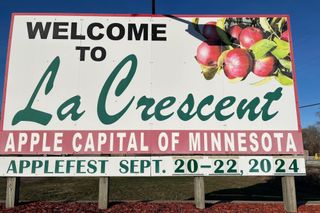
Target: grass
151 188
164 188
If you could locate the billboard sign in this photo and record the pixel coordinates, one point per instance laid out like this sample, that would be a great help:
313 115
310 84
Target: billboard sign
137 84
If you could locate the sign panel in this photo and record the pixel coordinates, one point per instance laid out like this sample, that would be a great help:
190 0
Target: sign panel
127 84
152 166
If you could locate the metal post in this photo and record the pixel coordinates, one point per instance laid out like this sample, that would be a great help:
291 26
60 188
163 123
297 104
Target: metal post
153 7
103 193
199 194
289 194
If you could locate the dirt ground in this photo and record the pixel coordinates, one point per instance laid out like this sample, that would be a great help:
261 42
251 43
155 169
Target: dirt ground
168 207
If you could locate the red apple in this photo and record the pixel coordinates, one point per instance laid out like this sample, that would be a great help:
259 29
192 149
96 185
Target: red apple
235 32
210 32
265 66
249 36
208 54
237 63
285 35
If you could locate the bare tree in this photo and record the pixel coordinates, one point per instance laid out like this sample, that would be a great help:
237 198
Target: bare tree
311 139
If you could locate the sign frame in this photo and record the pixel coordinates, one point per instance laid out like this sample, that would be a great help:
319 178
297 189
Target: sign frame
172 151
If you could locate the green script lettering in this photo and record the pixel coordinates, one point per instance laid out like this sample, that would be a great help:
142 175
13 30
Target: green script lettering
252 106
206 101
75 103
189 104
147 102
163 104
223 104
270 96
102 113
161 110
185 110
30 114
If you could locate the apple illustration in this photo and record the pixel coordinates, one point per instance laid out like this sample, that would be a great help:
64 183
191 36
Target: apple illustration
237 63
249 36
265 66
210 32
208 54
235 31
285 35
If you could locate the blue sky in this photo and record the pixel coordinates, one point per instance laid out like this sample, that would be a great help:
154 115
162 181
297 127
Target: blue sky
304 25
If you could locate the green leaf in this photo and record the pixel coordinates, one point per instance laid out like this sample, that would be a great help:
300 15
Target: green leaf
278 23
208 72
220 23
281 23
286 64
220 69
263 81
274 20
265 24
262 47
283 79
221 31
282 50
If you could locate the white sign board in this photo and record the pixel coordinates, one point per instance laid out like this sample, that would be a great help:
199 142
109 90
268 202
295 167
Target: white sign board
153 85
152 166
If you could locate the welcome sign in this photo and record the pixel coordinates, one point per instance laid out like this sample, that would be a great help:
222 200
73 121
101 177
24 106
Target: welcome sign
131 84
